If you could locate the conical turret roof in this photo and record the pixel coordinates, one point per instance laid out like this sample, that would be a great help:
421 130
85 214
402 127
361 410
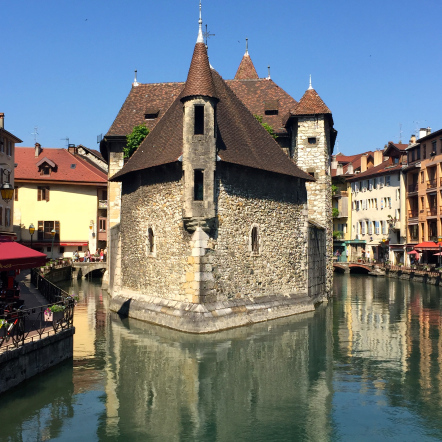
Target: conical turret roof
246 69
310 104
199 79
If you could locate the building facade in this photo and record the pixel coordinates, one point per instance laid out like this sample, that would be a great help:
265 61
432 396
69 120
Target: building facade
59 193
7 176
424 194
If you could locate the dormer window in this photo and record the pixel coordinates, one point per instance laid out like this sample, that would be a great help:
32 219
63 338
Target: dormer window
46 166
199 120
271 107
151 114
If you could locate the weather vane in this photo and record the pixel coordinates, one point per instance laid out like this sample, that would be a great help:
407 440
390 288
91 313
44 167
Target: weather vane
207 35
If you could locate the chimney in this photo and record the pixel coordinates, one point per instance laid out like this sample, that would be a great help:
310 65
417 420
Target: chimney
350 169
72 149
363 163
412 139
339 169
334 162
37 149
2 120
428 130
378 158
422 132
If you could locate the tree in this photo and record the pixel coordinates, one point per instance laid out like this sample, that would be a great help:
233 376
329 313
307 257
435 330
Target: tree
134 139
266 126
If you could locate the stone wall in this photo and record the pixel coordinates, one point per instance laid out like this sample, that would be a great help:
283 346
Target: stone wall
222 264
34 358
154 199
316 262
276 206
314 158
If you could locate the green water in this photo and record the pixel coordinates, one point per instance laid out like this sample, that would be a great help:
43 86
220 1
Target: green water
365 367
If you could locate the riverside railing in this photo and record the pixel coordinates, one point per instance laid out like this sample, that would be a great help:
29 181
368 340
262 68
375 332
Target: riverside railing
20 325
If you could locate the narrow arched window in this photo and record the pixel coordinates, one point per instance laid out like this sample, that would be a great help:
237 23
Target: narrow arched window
150 240
255 240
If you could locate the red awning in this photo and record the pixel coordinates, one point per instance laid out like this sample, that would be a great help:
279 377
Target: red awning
74 243
427 245
15 256
413 252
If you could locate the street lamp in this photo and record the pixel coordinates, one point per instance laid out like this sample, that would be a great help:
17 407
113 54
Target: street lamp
53 232
31 232
7 190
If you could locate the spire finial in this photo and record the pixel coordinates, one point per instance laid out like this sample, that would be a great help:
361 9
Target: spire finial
310 83
135 83
200 38
247 46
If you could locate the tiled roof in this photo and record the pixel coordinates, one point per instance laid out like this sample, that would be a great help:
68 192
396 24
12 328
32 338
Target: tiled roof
199 79
311 104
241 139
257 94
381 169
142 98
246 70
82 173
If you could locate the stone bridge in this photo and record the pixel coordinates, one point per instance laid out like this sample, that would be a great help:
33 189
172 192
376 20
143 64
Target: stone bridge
351 267
81 269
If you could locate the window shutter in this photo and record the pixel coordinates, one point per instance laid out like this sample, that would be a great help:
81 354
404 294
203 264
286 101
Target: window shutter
47 193
57 229
39 194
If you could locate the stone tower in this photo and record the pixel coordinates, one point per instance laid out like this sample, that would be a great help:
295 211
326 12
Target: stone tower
313 138
199 100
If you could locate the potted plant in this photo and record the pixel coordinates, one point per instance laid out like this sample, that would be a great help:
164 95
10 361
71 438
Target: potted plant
54 313
3 327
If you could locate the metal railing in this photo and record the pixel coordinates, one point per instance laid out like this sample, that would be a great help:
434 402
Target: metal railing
432 211
21 326
412 214
413 187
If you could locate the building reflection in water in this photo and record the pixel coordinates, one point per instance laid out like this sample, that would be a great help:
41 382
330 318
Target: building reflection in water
370 362
269 379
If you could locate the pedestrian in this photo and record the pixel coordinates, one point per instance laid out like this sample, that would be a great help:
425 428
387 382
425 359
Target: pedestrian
88 256
75 254
105 254
101 254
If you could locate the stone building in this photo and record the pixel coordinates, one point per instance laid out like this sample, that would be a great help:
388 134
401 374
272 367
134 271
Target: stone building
213 224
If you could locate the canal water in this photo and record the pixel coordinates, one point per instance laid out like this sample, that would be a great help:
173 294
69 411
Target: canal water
365 367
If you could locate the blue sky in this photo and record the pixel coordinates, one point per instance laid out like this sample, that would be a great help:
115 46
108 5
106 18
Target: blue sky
68 66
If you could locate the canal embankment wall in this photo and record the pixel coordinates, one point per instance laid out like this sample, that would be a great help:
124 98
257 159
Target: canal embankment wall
415 276
22 363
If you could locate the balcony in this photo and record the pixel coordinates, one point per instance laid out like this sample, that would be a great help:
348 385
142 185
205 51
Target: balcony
432 184
413 187
102 204
432 211
340 193
412 213
414 238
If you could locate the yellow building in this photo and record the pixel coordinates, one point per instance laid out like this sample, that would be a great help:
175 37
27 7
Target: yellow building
64 197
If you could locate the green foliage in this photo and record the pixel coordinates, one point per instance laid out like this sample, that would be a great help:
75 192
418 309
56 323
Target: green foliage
3 323
266 126
134 139
56 308
335 212
336 234
334 189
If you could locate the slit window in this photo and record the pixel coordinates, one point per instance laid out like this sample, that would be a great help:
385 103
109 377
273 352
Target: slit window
312 140
198 185
255 240
199 120
150 240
